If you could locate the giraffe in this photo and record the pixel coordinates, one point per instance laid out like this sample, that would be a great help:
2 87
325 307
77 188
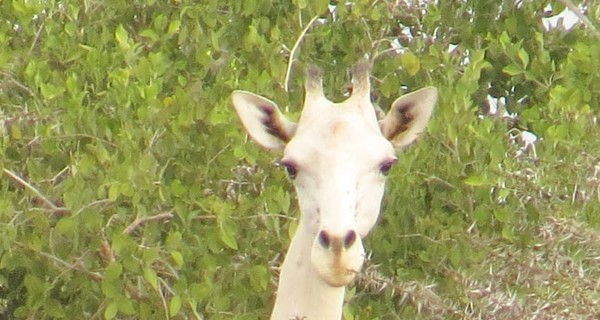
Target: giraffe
337 156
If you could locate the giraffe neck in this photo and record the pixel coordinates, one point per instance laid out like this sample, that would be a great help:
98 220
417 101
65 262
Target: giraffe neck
301 293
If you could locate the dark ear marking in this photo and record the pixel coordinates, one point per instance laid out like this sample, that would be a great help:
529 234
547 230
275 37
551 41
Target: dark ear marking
404 119
272 124
408 117
262 120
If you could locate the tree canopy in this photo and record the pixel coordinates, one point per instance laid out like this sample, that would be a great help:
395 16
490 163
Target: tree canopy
130 191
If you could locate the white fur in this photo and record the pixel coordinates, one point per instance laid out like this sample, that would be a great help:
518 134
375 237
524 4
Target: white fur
337 150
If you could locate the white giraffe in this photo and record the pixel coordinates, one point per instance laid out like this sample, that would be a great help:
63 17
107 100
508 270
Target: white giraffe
337 157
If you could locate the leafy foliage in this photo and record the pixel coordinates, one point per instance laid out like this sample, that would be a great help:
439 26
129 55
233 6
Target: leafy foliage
129 191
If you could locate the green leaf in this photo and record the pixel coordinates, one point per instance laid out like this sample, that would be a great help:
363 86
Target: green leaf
177 258
122 37
151 34
113 192
410 63
508 232
72 83
476 181
502 215
390 87
50 91
200 291
113 271
481 215
174 26
318 6
150 255
376 14
126 306
259 277
65 226
250 7
301 3
54 308
15 132
123 244
512 70
524 56
111 310
35 287
227 236
175 305
177 188
174 239
505 39
151 277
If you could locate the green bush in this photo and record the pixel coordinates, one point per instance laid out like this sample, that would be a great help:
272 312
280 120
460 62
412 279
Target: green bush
129 189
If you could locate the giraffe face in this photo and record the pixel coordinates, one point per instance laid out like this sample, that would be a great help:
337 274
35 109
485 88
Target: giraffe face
337 157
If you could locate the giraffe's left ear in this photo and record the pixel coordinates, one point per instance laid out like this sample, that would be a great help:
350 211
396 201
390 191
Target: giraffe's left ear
408 117
263 120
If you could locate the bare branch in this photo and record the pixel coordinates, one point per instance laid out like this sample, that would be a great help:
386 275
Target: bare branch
100 202
37 34
140 221
256 216
293 52
17 83
421 297
49 204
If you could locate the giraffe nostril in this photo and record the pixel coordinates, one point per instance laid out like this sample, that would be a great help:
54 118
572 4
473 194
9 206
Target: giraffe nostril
324 239
349 239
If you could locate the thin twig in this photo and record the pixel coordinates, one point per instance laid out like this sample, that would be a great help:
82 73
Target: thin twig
37 34
140 221
75 266
256 216
430 177
419 235
51 206
18 84
583 18
99 314
93 203
293 53
79 266
79 135
420 296
213 158
269 215
159 291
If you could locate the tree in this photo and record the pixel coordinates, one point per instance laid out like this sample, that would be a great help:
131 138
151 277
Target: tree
129 191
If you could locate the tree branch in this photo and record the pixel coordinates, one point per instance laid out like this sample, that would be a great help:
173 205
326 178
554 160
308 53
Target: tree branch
140 221
293 53
583 18
26 185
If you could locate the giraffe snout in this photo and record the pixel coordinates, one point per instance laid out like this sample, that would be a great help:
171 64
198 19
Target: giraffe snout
337 243
337 256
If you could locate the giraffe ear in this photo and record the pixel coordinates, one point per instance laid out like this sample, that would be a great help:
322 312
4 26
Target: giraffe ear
408 117
263 120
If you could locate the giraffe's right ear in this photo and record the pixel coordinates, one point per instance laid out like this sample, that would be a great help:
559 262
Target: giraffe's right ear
408 116
263 120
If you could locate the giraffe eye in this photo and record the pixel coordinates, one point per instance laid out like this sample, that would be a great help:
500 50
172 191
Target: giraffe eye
290 167
387 165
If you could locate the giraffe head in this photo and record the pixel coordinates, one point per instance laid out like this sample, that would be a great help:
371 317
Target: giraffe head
337 156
